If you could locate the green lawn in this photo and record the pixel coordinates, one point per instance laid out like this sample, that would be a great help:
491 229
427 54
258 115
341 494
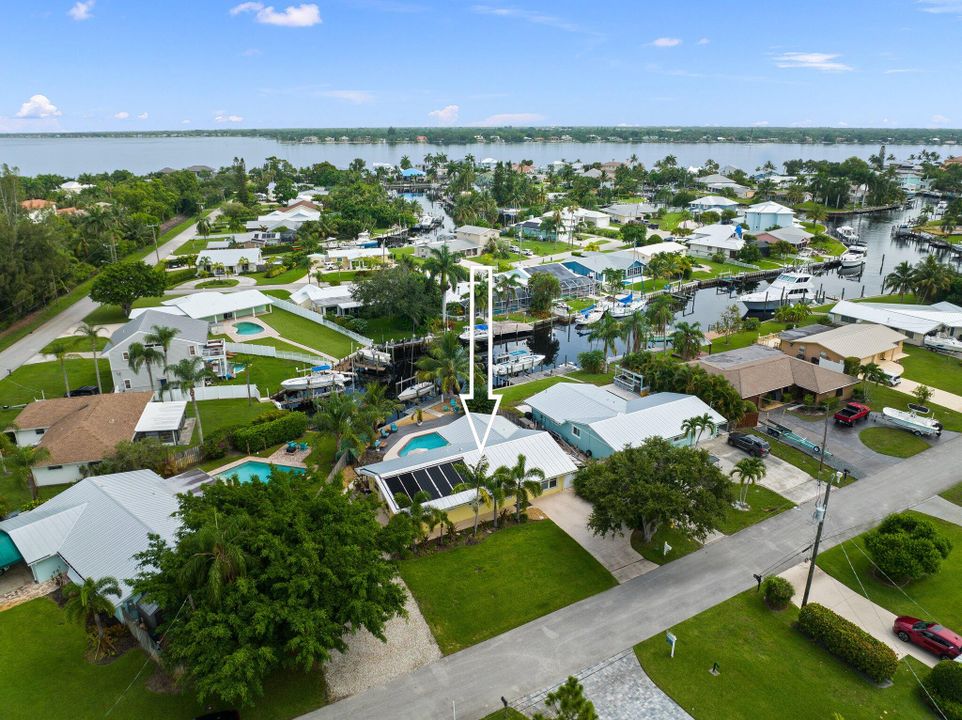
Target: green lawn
217 414
39 646
744 338
541 248
113 314
670 221
216 283
489 259
381 329
339 276
768 670
265 372
288 276
278 293
195 245
933 369
516 394
678 541
938 594
954 494
594 378
764 503
76 344
309 333
38 380
278 344
882 396
474 592
892 441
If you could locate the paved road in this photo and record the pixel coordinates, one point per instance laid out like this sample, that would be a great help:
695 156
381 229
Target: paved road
546 650
25 348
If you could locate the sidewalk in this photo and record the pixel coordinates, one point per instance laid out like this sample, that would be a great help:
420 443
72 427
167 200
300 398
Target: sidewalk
939 397
942 509
875 620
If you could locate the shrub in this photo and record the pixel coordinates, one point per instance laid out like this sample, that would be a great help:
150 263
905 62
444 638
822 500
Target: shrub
944 684
592 361
847 641
777 592
905 547
809 400
176 277
262 435
851 364
751 323
718 257
217 443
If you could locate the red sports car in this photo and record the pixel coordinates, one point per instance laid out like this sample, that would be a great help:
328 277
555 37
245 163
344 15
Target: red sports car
929 635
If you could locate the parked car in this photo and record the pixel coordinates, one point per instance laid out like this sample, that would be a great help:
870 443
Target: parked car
752 444
526 252
84 390
852 413
514 249
938 640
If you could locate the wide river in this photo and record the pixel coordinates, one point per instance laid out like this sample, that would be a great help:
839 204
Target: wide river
72 156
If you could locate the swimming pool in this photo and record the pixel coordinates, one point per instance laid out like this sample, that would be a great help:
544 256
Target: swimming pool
246 471
248 328
422 443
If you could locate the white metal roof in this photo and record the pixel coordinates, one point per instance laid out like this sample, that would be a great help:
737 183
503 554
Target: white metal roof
720 236
713 201
332 294
230 256
769 207
161 416
661 417
910 318
208 304
576 401
647 252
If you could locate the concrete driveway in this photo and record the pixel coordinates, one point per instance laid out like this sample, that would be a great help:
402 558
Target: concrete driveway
570 513
782 477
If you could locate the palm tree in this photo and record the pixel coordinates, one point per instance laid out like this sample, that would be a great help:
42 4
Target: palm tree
377 405
60 350
335 414
749 471
792 314
636 329
189 374
139 355
215 559
817 213
163 336
900 280
661 313
203 227
613 280
415 508
23 458
475 478
522 482
687 339
607 330
506 288
695 426
871 372
446 363
92 333
931 278
443 266
85 603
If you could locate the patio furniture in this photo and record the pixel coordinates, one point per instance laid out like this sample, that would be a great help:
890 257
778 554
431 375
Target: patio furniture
393 427
304 446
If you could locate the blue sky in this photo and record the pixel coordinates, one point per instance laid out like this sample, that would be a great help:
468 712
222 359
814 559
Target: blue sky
128 65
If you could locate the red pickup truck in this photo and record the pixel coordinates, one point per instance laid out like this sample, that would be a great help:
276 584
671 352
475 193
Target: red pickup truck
852 413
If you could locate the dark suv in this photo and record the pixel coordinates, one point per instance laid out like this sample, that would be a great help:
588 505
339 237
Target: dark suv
84 390
752 444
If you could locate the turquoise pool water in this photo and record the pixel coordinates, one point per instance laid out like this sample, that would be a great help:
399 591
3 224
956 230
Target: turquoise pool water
248 328
422 443
246 471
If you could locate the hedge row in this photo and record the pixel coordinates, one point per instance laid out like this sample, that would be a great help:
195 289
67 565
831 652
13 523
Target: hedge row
848 642
262 435
944 684
176 277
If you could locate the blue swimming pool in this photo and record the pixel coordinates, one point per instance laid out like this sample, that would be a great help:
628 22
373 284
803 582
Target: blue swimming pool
248 328
246 471
422 443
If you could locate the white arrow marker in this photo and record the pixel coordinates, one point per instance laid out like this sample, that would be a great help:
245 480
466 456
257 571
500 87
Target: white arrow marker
481 440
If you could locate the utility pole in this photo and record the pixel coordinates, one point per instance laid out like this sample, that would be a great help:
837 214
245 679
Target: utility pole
153 228
820 512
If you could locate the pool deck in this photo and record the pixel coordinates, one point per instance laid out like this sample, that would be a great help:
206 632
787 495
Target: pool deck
406 432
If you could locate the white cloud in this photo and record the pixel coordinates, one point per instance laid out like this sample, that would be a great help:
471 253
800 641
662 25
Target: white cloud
939 119
81 10
666 42
303 15
357 97
901 71
703 41
251 52
941 7
826 62
185 122
122 115
510 119
223 117
143 116
841 124
446 115
38 106
528 15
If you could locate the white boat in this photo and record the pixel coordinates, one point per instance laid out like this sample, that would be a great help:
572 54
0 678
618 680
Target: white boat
789 288
847 234
318 377
591 315
853 257
914 420
416 391
627 305
516 361
374 356
944 343
480 333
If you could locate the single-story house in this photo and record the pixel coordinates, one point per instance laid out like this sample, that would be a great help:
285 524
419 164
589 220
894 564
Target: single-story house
335 299
354 258
715 179
97 527
794 236
829 347
190 341
712 203
622 213
230 261
709 240
433 471
291 217
594 264
163 421
913 321
253 239
769 214
599 423
647 252
572 286
591 218
72 187
462 247
758 371
476 234
77 431
216 306
37 209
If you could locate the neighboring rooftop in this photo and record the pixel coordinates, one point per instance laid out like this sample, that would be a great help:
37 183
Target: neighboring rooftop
161 416
189 329
208 304
859 340
921 319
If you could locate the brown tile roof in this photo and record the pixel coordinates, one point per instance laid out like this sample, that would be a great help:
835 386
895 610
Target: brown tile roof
757 370
84 429
302 203
36 204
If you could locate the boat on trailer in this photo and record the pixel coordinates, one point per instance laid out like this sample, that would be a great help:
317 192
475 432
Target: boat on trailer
916 420
943 343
